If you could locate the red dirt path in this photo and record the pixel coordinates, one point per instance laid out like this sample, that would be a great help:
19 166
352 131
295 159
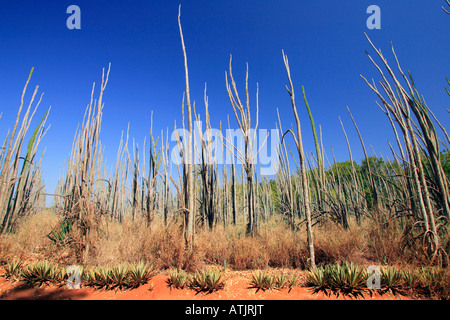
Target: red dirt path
236 288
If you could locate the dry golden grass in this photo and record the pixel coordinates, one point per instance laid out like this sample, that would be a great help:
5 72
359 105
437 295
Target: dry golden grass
127 240
275 245
334 244
30 240
386 243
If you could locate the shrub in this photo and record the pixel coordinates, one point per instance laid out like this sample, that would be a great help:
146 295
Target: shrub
433 282
335 244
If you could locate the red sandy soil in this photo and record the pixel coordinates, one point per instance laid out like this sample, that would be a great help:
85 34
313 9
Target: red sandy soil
236 288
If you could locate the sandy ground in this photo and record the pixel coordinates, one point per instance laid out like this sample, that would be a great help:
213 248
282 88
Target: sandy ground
236 288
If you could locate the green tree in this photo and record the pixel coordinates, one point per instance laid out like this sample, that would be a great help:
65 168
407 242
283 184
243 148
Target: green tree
445 160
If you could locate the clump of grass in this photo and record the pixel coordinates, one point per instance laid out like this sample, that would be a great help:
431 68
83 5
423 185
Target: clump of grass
433 282
261 280
207 281
410 279
177 279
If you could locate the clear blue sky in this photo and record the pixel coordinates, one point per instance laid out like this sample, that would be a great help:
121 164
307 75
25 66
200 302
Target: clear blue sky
323 39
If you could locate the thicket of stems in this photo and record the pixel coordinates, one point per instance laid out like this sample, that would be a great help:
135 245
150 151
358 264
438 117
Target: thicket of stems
411 188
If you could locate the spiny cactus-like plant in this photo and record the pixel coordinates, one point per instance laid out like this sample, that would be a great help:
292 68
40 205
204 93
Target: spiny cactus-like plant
355 280
280 280
346 279
410 279
392 281
41 272
117 276
206 281
97 278
13 269
177 279
261 280
292 282
20 180
318 280
120 276
138 274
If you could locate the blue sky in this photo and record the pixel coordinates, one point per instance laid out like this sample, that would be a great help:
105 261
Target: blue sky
323 39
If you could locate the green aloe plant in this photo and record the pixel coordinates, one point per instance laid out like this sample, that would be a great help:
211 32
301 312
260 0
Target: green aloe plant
98 277
13 269
432 282
207 281
261 280
65 275
215 280
61 236
292 281
117 276
392 280
177 279
318 280
280 280
346 279
41 272
355 280
410 279
139 274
